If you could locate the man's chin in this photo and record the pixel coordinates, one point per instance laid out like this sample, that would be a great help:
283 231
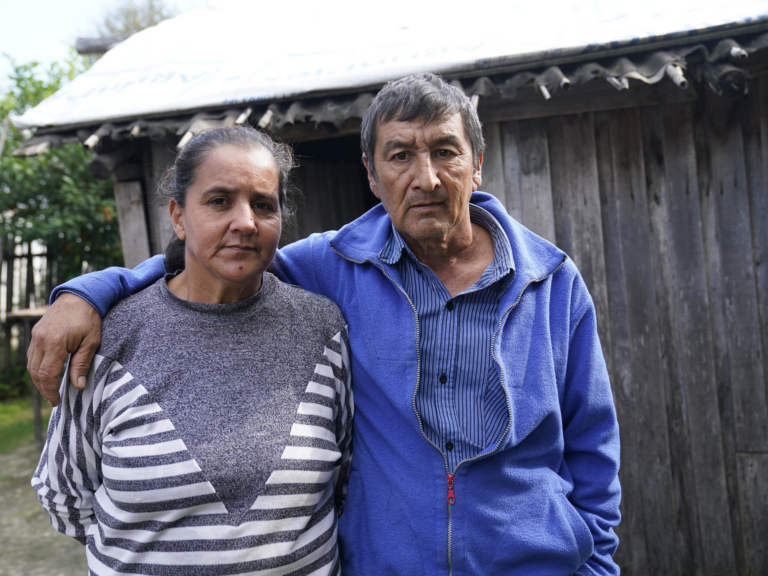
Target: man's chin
424 233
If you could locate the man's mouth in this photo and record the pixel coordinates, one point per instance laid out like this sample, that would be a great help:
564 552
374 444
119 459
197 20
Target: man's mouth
425 206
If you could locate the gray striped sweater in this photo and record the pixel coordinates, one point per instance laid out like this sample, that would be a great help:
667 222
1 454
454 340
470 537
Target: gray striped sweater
210 439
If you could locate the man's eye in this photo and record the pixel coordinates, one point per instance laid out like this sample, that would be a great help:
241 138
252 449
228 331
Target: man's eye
401 156
444 153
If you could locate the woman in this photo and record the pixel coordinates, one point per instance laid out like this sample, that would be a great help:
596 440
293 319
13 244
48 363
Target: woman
214 434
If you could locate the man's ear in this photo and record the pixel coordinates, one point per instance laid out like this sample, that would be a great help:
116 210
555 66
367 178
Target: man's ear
371 178
477 176
177 219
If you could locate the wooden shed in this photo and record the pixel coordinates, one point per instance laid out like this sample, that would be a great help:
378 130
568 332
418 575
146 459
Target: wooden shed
645 158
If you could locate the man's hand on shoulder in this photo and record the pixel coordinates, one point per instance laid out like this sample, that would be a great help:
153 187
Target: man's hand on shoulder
70 326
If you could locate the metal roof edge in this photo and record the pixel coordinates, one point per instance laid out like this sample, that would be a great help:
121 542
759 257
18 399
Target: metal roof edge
484 67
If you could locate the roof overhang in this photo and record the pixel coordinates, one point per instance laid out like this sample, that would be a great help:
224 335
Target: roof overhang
245 52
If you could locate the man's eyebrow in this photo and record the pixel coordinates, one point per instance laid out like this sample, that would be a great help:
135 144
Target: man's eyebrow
450 139
395 143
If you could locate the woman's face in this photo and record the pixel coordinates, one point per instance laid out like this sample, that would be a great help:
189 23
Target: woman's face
230 223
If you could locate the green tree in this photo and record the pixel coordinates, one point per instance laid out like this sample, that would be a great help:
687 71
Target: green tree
132 16
51 198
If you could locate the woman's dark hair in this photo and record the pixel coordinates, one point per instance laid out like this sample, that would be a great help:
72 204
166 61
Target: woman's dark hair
181 175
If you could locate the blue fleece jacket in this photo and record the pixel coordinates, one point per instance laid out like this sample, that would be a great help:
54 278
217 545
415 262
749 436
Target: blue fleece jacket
544 498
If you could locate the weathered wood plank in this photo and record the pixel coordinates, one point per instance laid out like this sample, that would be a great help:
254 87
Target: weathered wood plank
535 181
576 202
493 163
699 463
160 156
133 224
595 96
716 556
753 487
729 197
511 161
758 195
644 376
632 554
332 194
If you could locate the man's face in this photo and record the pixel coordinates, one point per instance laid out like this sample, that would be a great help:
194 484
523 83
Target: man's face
424 175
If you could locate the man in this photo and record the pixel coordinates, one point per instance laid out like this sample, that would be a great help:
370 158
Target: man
486 439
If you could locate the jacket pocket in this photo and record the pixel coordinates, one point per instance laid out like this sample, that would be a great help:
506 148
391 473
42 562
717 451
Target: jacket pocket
579 528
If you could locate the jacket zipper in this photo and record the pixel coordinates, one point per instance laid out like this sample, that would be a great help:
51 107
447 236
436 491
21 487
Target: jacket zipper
451 499
418 351
451 477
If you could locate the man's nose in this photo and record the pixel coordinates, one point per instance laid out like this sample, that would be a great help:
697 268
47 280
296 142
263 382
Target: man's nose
426 176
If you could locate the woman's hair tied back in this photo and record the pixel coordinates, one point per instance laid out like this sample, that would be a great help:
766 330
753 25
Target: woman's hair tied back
179 177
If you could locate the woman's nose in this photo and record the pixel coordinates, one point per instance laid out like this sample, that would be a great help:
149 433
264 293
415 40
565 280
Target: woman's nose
243 219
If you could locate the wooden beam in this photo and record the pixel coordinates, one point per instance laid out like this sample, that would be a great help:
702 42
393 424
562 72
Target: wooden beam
159 156
493 163
103 165
305 132
133 223
98 45
596 96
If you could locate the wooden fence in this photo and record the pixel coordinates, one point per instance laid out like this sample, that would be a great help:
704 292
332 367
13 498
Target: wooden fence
664 209
25 282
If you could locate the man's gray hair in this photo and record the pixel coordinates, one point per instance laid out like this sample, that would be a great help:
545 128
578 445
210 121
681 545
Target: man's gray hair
425 97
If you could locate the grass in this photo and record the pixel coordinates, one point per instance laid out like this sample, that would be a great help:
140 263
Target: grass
17 423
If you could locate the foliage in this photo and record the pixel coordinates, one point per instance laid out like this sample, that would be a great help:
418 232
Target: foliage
132 16
51 198
17 423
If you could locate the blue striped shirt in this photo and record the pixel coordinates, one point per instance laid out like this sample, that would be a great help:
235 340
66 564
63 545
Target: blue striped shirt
460 398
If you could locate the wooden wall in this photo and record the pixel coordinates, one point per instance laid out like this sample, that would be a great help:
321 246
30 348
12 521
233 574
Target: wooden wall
664 208
330 195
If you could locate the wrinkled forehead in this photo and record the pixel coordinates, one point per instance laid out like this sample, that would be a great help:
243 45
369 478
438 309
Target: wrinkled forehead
426 128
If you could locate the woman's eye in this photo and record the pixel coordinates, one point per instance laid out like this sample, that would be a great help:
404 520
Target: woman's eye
217 201
263 206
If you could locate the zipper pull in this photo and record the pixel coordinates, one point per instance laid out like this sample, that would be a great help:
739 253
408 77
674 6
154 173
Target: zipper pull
451 495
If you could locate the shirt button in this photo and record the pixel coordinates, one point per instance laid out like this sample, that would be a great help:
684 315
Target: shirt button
449 445
443 378
449 306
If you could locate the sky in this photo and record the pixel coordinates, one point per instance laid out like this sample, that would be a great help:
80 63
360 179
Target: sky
43 30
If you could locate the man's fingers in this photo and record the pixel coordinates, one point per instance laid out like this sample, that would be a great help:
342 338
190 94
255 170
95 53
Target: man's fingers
34 359
47 377
81 360
70 323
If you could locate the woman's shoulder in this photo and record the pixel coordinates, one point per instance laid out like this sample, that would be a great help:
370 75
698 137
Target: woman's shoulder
128 318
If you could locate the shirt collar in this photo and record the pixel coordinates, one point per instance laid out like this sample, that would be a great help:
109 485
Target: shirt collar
503 261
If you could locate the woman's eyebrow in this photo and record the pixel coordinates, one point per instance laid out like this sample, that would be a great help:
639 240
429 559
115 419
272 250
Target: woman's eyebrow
225 190
219 190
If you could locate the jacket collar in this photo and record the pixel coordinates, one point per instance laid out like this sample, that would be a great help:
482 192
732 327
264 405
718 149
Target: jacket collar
534 257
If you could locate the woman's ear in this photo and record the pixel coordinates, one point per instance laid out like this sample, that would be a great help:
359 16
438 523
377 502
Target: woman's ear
177 219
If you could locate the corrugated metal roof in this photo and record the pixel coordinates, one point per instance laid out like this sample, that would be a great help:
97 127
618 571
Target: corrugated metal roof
246 52
716 64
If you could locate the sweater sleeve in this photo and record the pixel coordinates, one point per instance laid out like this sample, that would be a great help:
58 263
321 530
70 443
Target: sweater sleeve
344 408
591 435
103 289
69 473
